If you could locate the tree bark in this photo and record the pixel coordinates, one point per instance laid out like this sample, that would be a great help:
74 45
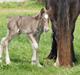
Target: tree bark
53 51
64 54
63 35
65 17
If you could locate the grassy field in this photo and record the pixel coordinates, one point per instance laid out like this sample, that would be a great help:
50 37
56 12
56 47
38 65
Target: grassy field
21 5
20 47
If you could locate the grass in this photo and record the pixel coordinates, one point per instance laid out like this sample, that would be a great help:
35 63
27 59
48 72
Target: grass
30 4
20 48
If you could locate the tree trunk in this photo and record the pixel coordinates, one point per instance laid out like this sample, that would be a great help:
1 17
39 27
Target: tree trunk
53 52
63 35
62 43
64 55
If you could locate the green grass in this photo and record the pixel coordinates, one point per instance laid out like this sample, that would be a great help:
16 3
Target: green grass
20 50
30 4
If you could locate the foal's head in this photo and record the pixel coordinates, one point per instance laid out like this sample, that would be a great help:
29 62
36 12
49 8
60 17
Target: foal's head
44 19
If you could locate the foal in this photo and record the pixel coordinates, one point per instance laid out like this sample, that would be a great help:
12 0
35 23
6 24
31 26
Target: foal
33 26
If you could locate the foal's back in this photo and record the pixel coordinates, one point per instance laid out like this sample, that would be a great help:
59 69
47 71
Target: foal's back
25 24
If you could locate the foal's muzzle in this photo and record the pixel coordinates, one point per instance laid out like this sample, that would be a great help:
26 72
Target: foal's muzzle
46 29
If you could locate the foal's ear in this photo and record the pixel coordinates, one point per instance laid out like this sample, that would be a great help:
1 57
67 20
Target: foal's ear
43 10
38 16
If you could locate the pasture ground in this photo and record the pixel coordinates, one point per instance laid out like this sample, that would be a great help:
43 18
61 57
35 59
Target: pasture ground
20 47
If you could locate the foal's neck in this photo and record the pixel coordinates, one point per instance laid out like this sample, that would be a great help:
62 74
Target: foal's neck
40 26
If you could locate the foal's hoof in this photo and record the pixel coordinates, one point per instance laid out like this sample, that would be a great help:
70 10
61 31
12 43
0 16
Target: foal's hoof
56 64
8 62
34 63
39 65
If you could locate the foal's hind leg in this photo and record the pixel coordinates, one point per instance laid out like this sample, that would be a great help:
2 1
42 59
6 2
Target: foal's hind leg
4 44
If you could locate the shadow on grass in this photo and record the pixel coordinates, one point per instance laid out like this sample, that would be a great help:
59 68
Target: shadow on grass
77 62
18 60
17 64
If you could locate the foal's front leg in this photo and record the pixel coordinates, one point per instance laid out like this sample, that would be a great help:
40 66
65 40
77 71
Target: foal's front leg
35 54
